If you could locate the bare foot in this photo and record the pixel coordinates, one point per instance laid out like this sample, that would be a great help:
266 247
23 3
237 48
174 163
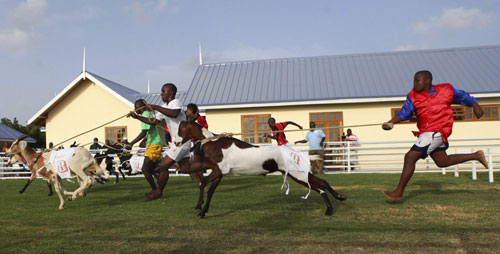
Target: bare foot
153 195
149 193
391 195
482 158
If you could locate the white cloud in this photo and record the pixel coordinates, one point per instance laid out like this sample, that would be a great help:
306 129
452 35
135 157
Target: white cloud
161 5
18 30
142 9
79 15
456 19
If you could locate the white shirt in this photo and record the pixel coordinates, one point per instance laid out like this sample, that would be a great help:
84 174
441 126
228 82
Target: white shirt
173 123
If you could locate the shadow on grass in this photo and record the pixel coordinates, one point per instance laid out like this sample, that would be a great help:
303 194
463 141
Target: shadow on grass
426 187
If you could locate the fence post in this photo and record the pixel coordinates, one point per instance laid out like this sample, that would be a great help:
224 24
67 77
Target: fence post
348 157
490 166
456 166
474 172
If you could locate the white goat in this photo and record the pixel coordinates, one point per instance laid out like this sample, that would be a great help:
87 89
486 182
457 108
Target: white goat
81 164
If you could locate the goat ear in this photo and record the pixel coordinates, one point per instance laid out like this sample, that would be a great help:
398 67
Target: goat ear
23 145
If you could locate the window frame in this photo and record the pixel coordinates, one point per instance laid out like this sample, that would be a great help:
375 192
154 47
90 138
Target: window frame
115 138
339 121
258 133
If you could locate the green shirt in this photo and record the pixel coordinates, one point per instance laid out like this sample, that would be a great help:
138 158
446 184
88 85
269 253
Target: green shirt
95 147
153 136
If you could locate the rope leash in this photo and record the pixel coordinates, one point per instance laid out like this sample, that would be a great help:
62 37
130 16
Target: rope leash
93 129
229 134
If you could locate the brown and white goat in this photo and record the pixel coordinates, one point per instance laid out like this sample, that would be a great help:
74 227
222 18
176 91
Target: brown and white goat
18 158
81 164
230 156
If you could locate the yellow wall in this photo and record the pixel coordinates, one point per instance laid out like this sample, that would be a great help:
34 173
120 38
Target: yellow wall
85 107
229 120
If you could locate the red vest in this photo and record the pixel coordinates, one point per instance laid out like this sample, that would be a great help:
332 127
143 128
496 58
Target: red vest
434 113
280 135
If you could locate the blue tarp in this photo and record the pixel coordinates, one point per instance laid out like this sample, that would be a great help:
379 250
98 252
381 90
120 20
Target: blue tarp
9 134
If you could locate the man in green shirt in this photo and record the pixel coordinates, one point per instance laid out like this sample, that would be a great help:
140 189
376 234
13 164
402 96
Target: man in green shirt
154 144
95 145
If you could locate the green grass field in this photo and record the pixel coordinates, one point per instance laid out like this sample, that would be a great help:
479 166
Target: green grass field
440 214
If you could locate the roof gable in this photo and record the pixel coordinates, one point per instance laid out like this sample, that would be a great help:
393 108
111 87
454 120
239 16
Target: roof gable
122 93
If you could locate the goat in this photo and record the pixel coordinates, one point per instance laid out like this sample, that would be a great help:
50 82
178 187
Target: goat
106 161
230 156
81 164
18 158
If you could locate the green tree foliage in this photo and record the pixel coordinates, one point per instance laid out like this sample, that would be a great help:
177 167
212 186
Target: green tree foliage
31 130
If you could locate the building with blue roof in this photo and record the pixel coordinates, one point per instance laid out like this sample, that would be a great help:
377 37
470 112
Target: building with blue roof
343 90
333 91
8 134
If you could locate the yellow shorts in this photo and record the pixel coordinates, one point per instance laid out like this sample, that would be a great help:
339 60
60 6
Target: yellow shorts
153 152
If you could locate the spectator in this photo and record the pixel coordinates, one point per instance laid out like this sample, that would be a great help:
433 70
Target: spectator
351 141
4 148
51 145
95 145
316 139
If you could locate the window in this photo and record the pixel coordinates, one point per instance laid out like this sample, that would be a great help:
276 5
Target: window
116 134
333 120
490 112
413 118
331 123
253 128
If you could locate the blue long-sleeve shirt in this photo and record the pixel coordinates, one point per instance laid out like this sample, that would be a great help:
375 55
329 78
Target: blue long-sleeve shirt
459 97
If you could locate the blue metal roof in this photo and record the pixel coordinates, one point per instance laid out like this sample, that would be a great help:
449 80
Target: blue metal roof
9 134
132 95
155 99
122 90
372 75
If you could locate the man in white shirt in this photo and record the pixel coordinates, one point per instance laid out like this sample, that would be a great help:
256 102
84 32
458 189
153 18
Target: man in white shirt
171 112
351 142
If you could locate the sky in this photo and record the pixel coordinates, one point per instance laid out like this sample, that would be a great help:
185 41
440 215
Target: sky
131 42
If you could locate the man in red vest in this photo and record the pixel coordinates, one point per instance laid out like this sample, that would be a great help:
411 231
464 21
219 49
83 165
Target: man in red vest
278 131
432 106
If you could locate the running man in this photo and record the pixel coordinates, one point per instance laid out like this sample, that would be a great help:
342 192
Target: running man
431 104
154 146
171 112
278 131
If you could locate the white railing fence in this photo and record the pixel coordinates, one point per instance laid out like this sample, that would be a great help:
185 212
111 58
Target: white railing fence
21 171
362 157
388 156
